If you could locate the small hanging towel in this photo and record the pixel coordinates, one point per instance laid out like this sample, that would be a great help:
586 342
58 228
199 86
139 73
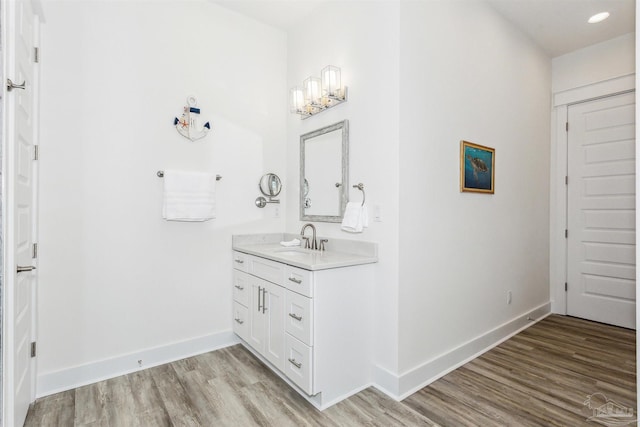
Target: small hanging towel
189 196
355 218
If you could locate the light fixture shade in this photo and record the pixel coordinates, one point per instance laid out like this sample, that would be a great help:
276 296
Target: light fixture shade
297 100
331 81
312 90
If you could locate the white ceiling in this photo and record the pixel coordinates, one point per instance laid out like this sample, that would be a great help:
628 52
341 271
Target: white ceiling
557 26
560 26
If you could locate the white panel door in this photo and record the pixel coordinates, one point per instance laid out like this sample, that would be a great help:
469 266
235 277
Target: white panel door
601 211
20 279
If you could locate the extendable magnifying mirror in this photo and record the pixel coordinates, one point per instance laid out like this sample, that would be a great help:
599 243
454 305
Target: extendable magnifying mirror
270 185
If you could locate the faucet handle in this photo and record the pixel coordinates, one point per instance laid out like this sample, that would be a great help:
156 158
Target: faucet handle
306 242
322 242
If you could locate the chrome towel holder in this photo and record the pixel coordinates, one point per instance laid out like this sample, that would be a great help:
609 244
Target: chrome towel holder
161 175
360 187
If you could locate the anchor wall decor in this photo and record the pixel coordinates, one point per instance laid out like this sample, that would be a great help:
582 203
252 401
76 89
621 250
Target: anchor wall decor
187 125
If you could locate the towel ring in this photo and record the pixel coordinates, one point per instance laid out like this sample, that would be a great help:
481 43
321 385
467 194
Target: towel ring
161 175
360 187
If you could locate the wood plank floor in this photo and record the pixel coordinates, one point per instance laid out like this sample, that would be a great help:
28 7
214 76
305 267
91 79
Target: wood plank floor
540 377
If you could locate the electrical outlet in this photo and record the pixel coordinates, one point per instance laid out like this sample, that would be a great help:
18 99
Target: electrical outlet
276 211
509 297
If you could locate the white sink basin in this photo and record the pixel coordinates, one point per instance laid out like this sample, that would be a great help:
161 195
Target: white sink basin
293 252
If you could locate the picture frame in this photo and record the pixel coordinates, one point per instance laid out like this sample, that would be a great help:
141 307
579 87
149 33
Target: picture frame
477 168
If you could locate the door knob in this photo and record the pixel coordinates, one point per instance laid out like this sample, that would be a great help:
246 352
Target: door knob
11 85
22 269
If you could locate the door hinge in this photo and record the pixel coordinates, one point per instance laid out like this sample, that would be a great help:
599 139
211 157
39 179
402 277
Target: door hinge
36 55
566 286
566 180
566 233
35 251
36 155
33 349
566 126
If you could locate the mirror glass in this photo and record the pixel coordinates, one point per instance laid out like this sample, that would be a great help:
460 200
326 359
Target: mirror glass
270 185
324 174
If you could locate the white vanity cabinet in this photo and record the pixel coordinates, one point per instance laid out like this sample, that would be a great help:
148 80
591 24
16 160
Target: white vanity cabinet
312 327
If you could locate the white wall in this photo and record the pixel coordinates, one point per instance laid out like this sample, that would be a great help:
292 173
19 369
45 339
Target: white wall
602 61
419 82
362 39
467 74
115 279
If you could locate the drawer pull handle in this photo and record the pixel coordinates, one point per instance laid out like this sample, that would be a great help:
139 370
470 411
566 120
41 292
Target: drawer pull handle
294 280
22 269
240 321
239 261
296 364
298 318
240 288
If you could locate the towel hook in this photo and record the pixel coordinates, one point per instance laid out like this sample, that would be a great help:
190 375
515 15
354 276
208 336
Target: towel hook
161 175
360 187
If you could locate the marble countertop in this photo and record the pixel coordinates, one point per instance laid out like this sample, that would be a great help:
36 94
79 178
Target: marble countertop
268 246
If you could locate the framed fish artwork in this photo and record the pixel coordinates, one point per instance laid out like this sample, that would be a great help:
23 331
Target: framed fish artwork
477 168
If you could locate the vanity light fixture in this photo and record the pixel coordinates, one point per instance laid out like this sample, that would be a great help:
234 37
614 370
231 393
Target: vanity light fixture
318 94
598 17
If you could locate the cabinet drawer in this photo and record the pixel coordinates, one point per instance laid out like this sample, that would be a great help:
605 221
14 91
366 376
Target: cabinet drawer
299 317
266 269
298 364
298 280
241 287
240 261
240 320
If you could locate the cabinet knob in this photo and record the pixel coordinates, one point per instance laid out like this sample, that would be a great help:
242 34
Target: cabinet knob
239 261
298 318
294 280
240 321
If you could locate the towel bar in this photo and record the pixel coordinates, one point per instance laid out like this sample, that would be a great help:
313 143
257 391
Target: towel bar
360 187
161 175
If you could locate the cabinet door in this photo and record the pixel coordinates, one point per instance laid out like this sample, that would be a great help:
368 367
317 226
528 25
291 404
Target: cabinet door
256 333
274 312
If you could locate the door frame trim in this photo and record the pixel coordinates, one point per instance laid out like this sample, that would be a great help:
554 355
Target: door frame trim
558 171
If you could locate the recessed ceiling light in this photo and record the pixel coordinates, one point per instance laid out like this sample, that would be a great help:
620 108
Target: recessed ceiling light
598 17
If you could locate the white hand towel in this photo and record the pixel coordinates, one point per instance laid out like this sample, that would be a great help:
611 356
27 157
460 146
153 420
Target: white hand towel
365 216
355 218
189 196
294 242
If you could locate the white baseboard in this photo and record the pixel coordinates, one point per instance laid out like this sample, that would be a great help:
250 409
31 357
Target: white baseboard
407 383
396 387
77 376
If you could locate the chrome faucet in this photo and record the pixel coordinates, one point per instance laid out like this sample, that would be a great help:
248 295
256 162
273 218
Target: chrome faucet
314 243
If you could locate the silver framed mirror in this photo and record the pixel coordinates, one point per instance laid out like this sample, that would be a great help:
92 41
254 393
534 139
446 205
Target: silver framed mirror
324 173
